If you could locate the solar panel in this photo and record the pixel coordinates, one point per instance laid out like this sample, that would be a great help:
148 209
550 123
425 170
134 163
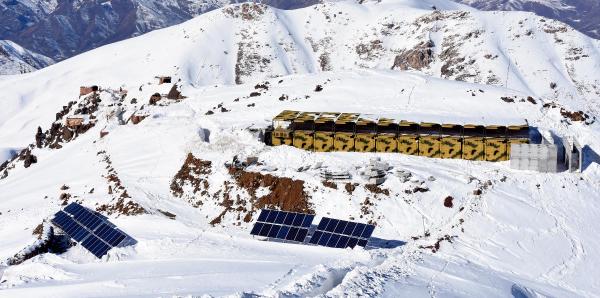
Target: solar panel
94 232
337 233
290 226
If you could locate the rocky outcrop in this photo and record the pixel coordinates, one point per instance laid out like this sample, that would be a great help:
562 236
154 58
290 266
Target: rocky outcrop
417 58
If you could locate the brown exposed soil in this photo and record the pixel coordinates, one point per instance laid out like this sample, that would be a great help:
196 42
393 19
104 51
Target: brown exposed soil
350 187
192 173
174 93
330 184
448 202
121 202
436 246
507 99
377 190
574 116
285 193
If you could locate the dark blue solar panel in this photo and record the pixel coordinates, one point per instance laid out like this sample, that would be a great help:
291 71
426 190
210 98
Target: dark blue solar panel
343 242
273 232
265 230
292 234
339 229
368 231
301 235
280 217
283 232
96 246
362 242
341 234
331 225
263 215
358 230
324 238
80 234
323 224
308 220
282 225
298 220
256 228
272 215
315 237
92 231
349 228
352 242
289 220
333 240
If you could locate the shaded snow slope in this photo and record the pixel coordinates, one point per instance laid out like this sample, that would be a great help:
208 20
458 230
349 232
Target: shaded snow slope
14 59
581 14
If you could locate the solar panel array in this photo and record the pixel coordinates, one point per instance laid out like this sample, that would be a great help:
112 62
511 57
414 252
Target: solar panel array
95 233
341 234
290 226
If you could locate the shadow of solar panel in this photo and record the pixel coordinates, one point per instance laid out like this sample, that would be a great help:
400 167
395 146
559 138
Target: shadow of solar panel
341 234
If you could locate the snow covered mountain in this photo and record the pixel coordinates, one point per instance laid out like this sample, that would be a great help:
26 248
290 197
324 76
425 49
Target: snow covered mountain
62 29
581 14
447 228
15 59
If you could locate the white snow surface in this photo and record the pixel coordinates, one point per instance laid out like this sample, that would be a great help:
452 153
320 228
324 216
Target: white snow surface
526 235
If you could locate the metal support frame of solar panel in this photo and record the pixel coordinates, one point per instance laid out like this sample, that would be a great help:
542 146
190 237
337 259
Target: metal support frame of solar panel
289 226
341 233
94 233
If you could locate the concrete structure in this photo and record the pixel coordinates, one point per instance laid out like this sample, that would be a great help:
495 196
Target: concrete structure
572 154
534 157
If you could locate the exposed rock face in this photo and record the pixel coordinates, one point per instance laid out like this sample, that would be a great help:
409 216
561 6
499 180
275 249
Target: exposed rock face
418 58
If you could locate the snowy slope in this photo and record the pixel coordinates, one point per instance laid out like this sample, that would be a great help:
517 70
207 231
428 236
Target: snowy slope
581 14
63 28
14 59
508 233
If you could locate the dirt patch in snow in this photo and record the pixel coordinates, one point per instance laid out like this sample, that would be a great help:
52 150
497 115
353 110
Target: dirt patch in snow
448 202
330 184
285 193
377 190
121 202
192 174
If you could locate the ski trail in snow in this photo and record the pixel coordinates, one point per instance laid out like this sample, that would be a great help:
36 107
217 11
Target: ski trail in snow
566 266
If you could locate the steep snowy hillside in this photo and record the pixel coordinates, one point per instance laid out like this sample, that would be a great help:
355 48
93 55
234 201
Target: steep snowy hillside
64 28
544 59
581 14
14 59
156 168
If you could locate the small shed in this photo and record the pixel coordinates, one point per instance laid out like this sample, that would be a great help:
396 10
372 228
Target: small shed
76 120
85 90
163 80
